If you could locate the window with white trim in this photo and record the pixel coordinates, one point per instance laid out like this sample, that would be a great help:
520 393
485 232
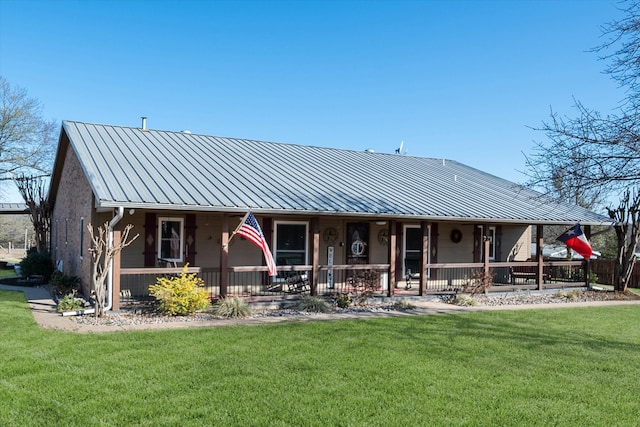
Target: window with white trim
491 234
170 238
290 239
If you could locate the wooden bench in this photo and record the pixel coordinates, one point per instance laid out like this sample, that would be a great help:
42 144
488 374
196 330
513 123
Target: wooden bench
526 273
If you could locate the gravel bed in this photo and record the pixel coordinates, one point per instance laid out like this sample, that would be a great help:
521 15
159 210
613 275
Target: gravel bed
143 316
558 297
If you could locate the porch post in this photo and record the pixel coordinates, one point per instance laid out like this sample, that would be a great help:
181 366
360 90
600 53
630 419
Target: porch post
486 242
315 261
115 280
539 256
587 264
424 257
224 256
392 258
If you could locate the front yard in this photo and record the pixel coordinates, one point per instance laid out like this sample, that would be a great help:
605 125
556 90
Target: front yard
537 367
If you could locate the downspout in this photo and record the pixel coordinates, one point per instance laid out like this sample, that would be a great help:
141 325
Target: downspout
115 220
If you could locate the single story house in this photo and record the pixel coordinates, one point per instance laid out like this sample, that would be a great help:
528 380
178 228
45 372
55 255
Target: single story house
330 216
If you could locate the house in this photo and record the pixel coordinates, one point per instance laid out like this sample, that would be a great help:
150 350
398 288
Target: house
329 215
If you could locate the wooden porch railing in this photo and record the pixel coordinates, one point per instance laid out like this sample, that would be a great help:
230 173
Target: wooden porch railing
292 281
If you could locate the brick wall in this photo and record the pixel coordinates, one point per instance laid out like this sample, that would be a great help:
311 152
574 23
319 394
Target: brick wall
72 212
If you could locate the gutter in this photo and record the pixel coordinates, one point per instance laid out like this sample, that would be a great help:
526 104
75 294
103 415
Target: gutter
115 220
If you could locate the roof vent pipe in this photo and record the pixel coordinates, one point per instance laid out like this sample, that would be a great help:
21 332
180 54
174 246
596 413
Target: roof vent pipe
144 123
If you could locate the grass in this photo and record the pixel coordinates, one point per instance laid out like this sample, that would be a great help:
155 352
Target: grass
534 367
4 273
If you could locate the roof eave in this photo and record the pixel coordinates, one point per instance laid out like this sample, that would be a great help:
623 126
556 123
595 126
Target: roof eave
105 205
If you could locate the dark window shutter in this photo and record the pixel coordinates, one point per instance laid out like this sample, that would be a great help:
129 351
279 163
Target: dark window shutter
190 239
434 243
398 249
498 246
477 243
150 231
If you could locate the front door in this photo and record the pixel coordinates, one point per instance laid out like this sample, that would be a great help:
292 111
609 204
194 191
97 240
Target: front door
412 250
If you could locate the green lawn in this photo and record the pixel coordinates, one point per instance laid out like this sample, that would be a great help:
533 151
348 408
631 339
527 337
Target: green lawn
7 273
562 367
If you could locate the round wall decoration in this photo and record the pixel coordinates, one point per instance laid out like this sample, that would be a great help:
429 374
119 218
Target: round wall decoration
456 235
330 235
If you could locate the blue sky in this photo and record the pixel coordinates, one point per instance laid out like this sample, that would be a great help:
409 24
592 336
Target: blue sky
461 80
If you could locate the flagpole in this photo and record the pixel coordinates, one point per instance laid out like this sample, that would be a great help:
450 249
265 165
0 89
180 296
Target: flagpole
238 227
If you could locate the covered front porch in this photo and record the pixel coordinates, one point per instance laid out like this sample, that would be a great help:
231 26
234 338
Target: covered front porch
130 285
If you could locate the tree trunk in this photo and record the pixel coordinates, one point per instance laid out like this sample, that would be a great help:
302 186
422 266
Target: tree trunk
627 230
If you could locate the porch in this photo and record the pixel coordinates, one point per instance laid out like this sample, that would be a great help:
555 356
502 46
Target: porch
254 284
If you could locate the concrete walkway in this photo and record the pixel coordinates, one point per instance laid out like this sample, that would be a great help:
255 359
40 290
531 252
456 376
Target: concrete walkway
44 312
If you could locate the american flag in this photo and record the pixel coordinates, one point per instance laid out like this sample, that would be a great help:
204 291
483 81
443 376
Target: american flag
250 229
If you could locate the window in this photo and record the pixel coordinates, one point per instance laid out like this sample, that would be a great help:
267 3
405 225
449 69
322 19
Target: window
291 243
491 234
492 244
357 243
81 237
170 235
412 249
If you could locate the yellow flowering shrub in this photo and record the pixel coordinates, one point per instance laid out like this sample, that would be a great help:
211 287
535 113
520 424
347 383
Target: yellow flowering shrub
180 295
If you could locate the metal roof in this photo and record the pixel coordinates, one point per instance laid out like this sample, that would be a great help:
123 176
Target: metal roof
13 208
134 167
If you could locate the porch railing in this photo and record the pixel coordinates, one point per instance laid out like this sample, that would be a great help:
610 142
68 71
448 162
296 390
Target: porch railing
515 275
294 281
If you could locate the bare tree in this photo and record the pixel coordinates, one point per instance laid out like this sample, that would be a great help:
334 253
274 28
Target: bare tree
102 254
27 141
33 191
627 217
592 157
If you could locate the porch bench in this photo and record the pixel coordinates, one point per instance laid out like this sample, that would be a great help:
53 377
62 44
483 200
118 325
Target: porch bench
296 283
526 273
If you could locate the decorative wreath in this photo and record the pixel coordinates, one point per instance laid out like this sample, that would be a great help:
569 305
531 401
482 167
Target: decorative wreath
456 235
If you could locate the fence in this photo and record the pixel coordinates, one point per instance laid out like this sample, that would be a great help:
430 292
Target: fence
12 252
604 268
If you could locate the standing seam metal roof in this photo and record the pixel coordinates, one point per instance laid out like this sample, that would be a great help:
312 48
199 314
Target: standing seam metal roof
133 167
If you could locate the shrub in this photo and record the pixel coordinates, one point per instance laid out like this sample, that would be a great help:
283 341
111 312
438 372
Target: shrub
69 303
403 304
570 295
313 304
61 284
232 307
343 300
365 283
180 295
479 282
465 300
37 264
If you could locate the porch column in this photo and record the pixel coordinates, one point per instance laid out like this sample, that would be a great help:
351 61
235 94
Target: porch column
224 255
587 264
392 258
539 256
315 257
115 280
486 241
424 257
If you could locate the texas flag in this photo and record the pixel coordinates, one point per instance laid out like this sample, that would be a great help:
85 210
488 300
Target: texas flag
575 239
